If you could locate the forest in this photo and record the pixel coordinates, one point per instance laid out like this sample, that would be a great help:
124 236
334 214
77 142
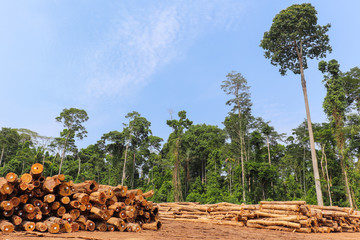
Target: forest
245 160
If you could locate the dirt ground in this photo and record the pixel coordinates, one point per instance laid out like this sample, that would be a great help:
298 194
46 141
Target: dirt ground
186 230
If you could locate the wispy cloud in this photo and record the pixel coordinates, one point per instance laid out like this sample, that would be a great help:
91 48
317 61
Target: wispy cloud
141 42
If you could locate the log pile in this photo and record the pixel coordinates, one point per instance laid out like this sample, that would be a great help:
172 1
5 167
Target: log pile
32 202
291 216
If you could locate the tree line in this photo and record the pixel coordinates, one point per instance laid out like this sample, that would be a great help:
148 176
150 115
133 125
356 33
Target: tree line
246 160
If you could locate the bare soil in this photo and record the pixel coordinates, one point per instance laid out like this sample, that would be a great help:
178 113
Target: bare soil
186 230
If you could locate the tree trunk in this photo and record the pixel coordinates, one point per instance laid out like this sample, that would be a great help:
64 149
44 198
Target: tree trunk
78 173
327 174
311 135
176 174
133 173
268 147
63 153
2 155
124 168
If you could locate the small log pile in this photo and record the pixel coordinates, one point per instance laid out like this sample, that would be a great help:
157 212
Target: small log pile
32 202
291 216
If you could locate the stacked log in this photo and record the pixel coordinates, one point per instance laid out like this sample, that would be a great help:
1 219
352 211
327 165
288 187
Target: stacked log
32 202
291 216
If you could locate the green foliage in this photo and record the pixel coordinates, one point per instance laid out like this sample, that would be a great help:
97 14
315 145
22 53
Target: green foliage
294 35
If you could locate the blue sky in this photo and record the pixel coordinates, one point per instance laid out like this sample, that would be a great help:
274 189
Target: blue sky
154 57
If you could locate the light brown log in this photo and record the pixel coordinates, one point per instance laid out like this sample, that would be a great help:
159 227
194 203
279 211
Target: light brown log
56 220
98 197
29 208
6 226
90 225
85 187
28 226
75 227
30 186
49 184
110 228
6 205
133 227
36 202
11 177
40 226
15 201
333 208
152 226
52 227
75 204
26 178
75 213
49 198
283 202
272 223
68 217
101 226
148 194
66 227
45 209
281 212
65 189
36 169
61 211
23 186
280 207
65 200
16 220
83 208
83 198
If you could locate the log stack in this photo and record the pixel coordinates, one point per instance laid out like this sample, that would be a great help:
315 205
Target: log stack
291 216
32 202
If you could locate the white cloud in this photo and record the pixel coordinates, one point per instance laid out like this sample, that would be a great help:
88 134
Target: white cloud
142 41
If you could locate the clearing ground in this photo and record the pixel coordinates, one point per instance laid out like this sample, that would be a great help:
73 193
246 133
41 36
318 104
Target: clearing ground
186 230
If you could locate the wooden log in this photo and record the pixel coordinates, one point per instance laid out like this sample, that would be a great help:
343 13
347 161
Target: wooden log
6 205
45 209
28 226
148 194
272 223
61 211
36 169
16 220
75 227
98 197
6 226
283 202
280 207
110 228
133 227
333 208
49 198
65 189
85 187
26 178
83 198
75 213
36 202
29 208
90 225
55 205
66 227
24 198
101 226
40 226
65 200
49 184
68 217
152 226
75 204
23 186
11 177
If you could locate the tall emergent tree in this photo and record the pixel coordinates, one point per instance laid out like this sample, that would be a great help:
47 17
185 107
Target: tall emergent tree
72 120
178 126
293 37
236 85
335 104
